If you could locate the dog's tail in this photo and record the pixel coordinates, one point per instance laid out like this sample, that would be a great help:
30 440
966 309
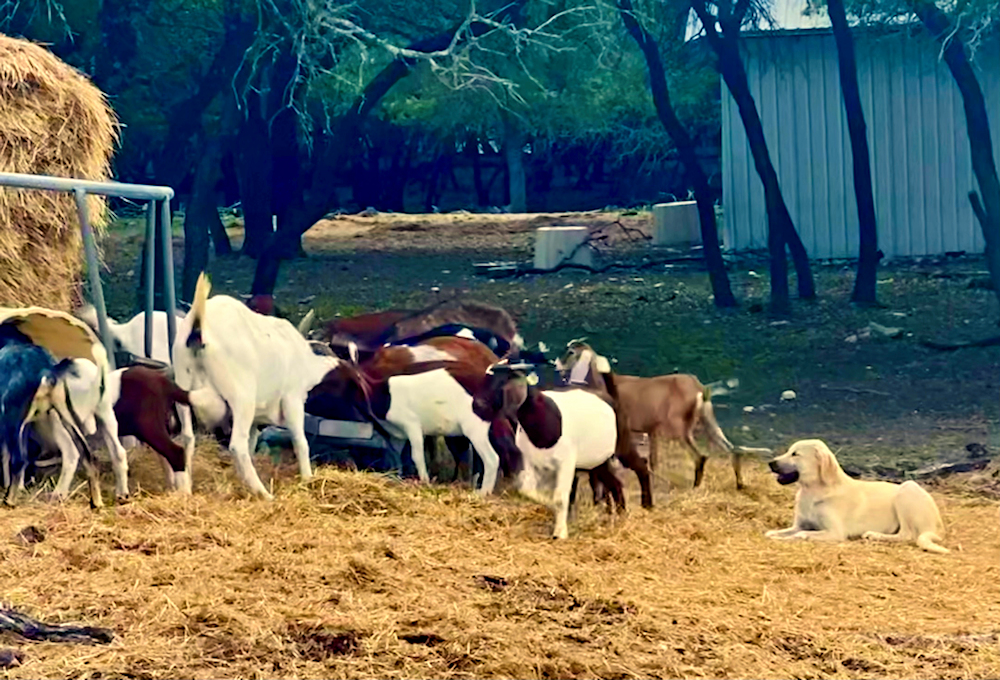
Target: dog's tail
929 542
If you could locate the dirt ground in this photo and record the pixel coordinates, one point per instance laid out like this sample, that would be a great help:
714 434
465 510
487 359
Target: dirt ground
360 575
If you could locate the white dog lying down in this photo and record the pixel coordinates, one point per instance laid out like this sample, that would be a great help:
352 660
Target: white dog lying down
831 506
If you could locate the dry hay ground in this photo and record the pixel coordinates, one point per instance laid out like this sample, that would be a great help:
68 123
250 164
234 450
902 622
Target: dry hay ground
356 575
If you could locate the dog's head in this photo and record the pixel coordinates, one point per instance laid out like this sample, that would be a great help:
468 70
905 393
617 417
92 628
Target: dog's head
809 462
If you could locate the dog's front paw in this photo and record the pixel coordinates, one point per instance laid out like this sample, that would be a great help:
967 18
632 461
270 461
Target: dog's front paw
781 534
869 536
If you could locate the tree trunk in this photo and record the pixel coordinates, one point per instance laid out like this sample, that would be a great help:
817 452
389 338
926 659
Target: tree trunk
781 230
201 218
864 282
220 239
253 167
482 193
978 129
513 148
721 290
304 212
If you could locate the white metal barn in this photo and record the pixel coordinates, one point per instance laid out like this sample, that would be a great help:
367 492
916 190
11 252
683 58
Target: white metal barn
921 168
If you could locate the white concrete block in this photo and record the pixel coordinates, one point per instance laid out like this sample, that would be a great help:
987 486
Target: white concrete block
553 244
676 224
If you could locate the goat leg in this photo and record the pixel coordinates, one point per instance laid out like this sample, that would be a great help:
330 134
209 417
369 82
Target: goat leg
655 443
699 458
615 493
598 490
93 479
459 447
572 498
631 459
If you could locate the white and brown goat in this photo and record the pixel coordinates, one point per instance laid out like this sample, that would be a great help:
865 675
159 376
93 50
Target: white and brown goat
666 407
559 432
419 392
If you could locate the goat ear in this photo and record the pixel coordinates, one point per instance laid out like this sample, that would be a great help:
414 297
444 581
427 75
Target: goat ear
42 400
602 365
515 392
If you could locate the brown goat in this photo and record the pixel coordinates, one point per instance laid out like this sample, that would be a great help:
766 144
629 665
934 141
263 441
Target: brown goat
144 410
370 331
666 407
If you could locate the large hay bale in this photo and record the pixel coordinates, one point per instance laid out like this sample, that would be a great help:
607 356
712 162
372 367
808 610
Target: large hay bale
53 121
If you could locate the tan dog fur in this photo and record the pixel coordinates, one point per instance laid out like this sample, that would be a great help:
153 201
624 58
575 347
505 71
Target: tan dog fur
831 506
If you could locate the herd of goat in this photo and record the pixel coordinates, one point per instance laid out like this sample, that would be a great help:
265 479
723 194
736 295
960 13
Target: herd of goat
458 370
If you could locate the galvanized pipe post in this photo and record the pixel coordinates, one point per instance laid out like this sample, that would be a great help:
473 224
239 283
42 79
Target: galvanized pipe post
150 274
137 192
94 274
169 293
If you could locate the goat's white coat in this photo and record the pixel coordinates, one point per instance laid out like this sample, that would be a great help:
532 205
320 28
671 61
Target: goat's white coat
434 403
94 408
132 333
589 436
421 353
261 366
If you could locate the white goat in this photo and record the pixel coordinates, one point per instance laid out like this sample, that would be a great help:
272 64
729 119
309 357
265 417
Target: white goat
131 336
91 401
260 367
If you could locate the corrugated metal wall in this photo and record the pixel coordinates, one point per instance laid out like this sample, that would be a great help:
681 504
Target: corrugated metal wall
916 131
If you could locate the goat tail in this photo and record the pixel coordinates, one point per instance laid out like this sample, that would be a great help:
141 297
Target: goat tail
715 434
178 395
196 339
707 412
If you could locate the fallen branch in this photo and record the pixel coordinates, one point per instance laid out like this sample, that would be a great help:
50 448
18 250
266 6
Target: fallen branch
856 390
641 236
32 629
944 469
949 347
501 272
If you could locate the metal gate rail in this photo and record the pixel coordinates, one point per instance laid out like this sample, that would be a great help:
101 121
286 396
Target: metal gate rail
155 195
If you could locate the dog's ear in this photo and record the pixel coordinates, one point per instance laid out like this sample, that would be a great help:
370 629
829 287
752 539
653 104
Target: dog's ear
827 466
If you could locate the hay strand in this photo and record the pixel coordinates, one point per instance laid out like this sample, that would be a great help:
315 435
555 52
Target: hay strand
53 121
360 575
